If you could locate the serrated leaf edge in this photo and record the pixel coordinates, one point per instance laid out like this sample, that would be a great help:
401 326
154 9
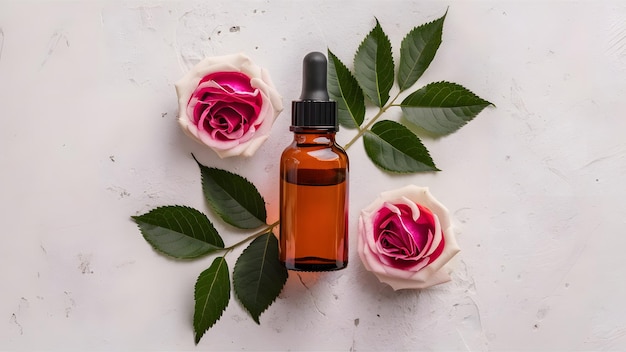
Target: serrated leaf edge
378 102
217 210
334 59
479 104
221 313
370 132
415 62
137 220
255 318
483 101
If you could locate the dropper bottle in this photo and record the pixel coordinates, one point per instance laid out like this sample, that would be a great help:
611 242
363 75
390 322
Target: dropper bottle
314 180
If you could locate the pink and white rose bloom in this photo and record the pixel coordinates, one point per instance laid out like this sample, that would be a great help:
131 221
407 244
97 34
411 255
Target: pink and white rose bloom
229 104
405 237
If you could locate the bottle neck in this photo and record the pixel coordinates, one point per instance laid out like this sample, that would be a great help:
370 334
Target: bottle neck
314 136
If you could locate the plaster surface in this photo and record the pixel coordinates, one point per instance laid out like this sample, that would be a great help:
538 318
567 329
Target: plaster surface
88 137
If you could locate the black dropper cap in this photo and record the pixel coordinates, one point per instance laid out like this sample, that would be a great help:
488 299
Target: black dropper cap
314 109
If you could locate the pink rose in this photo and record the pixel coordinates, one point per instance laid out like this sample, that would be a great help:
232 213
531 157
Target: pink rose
229 104
406 238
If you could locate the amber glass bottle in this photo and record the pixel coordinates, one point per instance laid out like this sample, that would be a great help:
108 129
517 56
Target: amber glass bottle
314 180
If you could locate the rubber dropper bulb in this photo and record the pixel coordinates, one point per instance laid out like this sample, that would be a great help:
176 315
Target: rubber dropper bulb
314 77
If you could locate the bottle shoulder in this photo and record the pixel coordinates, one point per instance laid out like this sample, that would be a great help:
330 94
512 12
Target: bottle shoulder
314 156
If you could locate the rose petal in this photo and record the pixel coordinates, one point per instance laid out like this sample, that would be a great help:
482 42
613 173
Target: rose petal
230 81
398 283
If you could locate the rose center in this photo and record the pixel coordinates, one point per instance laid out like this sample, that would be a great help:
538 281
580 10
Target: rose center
398 246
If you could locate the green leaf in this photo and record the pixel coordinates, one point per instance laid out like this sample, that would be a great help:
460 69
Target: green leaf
392 147
442 107
259 276
345 90
373 66
178 231
417 51
212 294
233 198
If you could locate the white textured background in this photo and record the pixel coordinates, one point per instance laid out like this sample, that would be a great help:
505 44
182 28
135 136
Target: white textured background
88 137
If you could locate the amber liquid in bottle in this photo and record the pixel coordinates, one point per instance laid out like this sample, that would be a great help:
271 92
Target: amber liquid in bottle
314 203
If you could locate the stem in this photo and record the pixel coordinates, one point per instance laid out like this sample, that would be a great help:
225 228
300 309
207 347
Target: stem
253 236
371 122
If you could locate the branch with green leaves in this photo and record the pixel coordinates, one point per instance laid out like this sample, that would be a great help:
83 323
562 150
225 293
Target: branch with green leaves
438 109
258 276
185 233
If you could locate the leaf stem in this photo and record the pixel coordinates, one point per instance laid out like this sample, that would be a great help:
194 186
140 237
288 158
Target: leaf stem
371 122
263 231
